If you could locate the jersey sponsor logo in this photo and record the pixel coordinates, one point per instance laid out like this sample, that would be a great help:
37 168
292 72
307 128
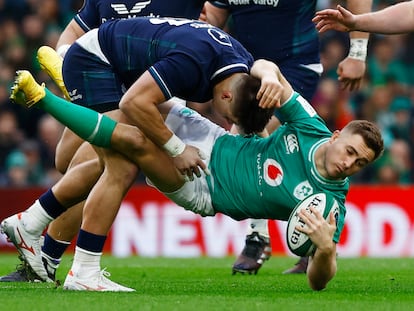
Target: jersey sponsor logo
272 3
171 21
259 171
74 95
219 36
121 8
303 190
291 143
273 172
306 106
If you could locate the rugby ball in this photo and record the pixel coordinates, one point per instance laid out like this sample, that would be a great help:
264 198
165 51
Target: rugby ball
299 243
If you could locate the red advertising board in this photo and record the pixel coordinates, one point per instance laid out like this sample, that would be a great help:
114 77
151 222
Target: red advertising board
379 222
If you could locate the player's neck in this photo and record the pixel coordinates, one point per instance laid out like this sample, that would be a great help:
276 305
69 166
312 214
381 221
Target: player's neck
319 159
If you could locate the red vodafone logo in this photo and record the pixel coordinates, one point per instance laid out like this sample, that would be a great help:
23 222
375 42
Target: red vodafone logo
273 173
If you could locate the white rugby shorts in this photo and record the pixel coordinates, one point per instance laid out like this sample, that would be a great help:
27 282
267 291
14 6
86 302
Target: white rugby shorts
195 130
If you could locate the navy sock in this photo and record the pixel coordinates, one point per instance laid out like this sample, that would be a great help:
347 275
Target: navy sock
91 242
51 205
53 248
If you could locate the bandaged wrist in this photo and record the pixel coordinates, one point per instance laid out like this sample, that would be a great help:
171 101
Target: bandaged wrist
358 49
61 50
174 146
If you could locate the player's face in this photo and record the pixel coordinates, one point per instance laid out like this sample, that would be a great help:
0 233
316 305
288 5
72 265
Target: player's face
224 108
346 155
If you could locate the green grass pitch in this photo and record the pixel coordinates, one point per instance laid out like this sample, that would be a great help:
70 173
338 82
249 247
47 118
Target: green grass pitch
198 284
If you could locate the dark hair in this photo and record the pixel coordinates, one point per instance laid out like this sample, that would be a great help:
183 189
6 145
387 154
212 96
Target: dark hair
251 118
369 132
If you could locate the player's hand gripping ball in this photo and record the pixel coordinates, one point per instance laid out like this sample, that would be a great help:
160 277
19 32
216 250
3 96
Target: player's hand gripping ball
299 243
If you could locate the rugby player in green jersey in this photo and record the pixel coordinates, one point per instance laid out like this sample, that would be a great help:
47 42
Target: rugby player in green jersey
296 51
247 176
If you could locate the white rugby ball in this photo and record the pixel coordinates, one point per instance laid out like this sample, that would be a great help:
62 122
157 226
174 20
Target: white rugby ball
299 243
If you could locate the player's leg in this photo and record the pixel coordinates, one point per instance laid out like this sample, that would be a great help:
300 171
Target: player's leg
60 233
130 141
256 249
85 273
102 131
63 229
25 229
49 206
69 152
58 237
66 149
99 129
54 201
119 173
99 212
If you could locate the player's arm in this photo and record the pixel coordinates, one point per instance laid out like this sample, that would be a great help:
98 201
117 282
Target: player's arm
69 35
395 19
359 7
215 15
274 89
351 70
322 265
140 103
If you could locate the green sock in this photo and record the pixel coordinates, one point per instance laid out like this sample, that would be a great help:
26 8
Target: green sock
88 124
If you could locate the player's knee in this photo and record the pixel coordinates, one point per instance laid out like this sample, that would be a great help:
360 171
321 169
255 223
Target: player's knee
61 164
85 153
120 170
135 142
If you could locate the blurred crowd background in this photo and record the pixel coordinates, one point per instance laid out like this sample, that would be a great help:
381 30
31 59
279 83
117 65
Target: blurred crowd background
28 137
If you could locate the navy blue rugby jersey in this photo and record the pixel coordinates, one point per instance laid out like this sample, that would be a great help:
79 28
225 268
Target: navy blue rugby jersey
275 29
95 12
186 57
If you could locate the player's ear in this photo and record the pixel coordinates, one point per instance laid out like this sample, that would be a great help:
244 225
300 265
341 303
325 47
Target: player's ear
332 219
226 95
335 136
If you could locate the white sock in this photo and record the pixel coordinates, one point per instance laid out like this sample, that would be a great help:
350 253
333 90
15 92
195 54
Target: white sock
35 218
259 226
86 263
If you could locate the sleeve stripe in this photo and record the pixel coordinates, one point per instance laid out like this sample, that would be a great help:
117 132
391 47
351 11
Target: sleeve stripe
81 23
221 70
163 86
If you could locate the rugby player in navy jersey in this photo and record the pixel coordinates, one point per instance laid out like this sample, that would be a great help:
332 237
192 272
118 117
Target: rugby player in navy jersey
137 64
282 31
92 14
236 186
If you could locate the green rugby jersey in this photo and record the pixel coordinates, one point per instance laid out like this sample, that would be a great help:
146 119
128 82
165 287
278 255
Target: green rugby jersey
264 178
